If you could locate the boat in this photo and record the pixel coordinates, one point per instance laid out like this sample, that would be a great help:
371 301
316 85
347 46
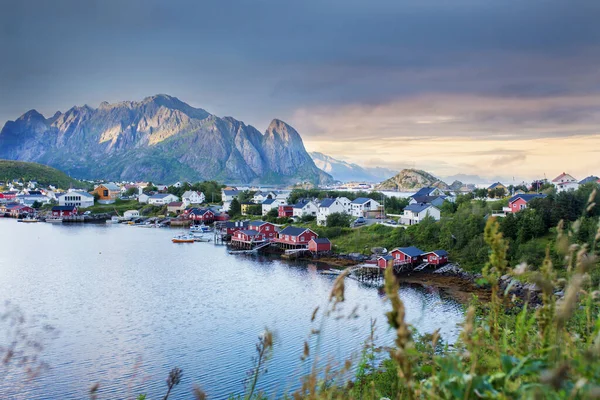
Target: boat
27 219
200 229
54 220
113 220
183 239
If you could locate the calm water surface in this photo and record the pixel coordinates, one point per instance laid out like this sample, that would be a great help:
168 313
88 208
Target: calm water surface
130 305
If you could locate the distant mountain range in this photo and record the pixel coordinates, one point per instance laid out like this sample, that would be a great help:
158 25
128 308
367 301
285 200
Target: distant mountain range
161 139
347 172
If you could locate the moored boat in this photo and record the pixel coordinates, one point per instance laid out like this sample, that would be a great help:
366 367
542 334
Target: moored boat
54 220
27 219
183 239
200 228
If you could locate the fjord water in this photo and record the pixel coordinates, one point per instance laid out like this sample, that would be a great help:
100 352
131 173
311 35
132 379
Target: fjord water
129 305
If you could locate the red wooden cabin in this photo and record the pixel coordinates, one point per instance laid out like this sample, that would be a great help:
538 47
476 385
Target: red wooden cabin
319 245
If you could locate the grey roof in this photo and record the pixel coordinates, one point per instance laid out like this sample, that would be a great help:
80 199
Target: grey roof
361 200
76 192
301 203
589 179
386 257
322 240
111 186
292 231
160 195
425 191
231 192
417 208
439 253
527 197
425 199
249 232
411 251
63 208
495 185
326 203
236 224
257 223
268 201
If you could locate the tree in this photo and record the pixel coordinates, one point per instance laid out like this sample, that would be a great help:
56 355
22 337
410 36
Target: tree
481 193
36 204
235 208
254 210
499 192
341 220
273 212
131 192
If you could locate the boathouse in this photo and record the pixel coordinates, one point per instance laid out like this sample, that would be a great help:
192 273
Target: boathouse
267 229
406 255
231 227
319 245
247 238
19 209
64 211
293 237
385 261
203 215
436 257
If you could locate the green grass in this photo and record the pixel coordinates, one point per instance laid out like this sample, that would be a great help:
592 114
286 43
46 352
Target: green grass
120 206
42 174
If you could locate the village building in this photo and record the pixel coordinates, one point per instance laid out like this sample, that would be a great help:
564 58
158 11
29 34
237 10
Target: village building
31 199
429 191
565 182
247 238
7 197
385 261
285 211
270 204
328 207
160 199
433 200
519 202
267 229
143 198
76 198
200 215
230 227
589 179
406 255
64 211
193 197
436 257
131 214
415 213
227 197
304 208
175 207
107 193
293 237
16 210
361 206
161 188
495 186
319 245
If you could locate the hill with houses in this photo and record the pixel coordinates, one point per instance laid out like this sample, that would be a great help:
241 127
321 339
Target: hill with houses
159 138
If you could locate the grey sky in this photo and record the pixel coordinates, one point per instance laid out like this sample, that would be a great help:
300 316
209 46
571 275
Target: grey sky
260 59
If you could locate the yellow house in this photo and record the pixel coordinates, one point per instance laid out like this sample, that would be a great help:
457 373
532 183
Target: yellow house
107 193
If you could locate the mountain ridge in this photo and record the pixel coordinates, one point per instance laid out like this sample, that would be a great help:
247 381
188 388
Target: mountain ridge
159 138
411 179
345 171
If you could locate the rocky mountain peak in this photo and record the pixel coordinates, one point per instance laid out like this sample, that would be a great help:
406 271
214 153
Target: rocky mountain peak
280 130
31 115
411 179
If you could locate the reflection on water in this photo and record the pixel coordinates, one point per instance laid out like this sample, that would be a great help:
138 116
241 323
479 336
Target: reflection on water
130 305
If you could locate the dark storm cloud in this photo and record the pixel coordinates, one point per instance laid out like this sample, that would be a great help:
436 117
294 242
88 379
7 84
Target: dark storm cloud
265 58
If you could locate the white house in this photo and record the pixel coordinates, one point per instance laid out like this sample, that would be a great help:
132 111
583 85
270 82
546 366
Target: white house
30 199
80 199
191 197
414 213
304 208
565 182
360 206
162 199
433 200
331 206
129 214
269 204
143 198
227 196
428 191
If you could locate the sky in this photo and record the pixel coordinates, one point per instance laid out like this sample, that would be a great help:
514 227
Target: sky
495 88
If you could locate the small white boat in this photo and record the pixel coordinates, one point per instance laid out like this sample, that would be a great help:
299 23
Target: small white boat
200 229
54 220
113 220
27 219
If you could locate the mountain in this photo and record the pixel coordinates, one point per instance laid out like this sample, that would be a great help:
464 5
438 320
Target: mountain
44 175
410 180
346 172
161 139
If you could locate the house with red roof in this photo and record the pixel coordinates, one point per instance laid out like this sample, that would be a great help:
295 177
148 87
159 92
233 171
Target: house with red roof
565 182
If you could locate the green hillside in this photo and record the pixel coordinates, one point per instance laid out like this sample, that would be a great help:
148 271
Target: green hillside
43 174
